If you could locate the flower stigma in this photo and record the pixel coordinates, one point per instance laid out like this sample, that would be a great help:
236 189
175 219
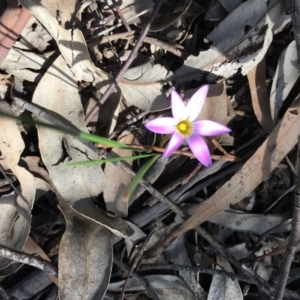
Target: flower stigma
185 128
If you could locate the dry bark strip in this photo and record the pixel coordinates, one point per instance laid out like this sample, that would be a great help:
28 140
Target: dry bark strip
280 142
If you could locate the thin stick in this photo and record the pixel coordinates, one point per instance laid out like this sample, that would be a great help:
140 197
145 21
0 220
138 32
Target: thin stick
117 8
125 67
137 260
227 156
293 241
32 260
144 282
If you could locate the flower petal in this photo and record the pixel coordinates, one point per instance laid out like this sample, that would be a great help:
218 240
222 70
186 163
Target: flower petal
196 102
209 128
200 149
162 125
174 143
178 107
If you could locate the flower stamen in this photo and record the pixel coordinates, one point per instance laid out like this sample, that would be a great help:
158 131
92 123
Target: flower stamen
185 128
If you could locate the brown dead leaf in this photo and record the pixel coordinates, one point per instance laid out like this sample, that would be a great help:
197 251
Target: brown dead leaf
15 213
280 142
85 258
117 181
216 98
260 96
31 247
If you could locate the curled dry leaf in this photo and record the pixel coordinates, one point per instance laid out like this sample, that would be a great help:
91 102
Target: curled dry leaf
71 44
223 287
260 96
77 185
85 258
287 73
33 36
15 213
166 287
254 223
117 181
216 97
141 86
22 64
253 21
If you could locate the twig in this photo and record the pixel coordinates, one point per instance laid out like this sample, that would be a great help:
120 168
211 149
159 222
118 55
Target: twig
144 282
285 267
279 198
32 260
91 41
137 259
291 165
117 8
126 65
189 154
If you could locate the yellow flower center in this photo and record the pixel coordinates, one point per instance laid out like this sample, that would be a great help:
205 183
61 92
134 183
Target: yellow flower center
185 128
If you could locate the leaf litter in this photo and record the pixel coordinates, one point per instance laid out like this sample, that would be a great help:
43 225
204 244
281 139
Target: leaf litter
187 232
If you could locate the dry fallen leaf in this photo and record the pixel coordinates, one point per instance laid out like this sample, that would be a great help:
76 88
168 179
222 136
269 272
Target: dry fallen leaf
286 75
85 258
244 49
223 287
166 287
259 96
282 139
117 181
77 185
141 86
15 212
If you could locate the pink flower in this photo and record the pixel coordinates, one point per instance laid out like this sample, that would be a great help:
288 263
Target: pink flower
184 127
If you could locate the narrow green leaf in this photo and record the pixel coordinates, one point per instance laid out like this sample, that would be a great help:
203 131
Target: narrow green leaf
102 161
102 140
72 131
140 174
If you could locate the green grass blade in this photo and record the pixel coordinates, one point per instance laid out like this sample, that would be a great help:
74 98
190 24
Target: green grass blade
140 174
102 161
72 131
